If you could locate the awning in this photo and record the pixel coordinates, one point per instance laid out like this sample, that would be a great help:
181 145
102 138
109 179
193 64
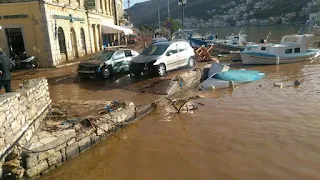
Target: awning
111 28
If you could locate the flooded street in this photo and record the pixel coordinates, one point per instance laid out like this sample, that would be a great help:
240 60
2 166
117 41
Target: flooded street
258 131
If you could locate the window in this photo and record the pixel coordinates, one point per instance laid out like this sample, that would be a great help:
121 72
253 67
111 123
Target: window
118 55
263 48
182 47
158 49
288 51
104 55
128 53
235 43
296 50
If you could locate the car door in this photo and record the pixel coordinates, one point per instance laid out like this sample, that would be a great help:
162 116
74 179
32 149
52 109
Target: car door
171 57
182 55
118 61
129 54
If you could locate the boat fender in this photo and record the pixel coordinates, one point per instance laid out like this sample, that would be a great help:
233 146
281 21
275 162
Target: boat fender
212 87
231 84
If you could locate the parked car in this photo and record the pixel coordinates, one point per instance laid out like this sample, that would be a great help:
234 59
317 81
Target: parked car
161 57
132 39
107 63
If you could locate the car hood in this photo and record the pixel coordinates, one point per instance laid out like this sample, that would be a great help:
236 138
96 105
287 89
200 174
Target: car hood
145 59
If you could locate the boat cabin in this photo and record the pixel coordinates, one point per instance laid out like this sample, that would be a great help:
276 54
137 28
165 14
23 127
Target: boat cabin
289 45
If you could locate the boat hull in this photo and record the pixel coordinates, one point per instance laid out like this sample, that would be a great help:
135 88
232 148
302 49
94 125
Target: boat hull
251 59
224 48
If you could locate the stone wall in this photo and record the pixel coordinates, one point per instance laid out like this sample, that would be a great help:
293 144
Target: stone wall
21 113
49 149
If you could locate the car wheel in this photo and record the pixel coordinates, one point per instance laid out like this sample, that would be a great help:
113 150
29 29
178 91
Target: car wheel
161 70
191 62
105 72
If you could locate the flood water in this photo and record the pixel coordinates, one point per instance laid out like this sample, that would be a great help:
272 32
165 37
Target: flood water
257 131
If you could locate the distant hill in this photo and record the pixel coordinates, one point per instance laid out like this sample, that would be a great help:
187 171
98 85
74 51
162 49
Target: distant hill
146 12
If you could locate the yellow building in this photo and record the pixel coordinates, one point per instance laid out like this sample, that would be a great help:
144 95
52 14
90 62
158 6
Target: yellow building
57 31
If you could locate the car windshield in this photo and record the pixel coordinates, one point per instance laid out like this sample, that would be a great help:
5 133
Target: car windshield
132 36
155 50
105 55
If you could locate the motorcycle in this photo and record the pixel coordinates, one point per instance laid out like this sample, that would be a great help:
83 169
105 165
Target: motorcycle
24 62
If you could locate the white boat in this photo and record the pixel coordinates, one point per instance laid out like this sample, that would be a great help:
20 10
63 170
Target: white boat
292 48
232 43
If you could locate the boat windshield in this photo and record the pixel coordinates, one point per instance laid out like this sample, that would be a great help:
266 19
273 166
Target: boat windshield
157 49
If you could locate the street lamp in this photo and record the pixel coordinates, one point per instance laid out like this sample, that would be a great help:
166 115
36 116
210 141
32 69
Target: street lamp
182 3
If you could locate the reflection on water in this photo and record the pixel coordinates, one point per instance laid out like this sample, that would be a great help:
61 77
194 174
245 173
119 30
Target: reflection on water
258 131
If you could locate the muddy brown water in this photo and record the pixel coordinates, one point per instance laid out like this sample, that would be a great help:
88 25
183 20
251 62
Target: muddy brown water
257 131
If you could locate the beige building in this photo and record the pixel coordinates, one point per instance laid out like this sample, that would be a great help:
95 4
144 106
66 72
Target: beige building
57 31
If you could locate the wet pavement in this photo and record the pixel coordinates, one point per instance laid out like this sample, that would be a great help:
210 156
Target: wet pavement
257 131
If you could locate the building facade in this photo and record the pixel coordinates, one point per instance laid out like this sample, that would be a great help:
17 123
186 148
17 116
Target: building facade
57 31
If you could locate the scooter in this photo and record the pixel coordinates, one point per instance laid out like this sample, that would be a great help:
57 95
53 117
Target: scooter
24 62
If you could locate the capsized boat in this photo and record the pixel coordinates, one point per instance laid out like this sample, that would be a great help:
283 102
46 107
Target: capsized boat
220 76
291 49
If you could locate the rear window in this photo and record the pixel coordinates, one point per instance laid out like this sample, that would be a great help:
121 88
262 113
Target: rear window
155 50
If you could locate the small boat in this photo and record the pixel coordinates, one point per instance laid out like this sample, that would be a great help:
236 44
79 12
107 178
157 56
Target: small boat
220 76
232 43
292 48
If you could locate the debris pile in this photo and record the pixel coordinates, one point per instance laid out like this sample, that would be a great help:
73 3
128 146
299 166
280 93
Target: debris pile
204 54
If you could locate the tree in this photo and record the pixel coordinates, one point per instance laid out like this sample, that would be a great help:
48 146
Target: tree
175 25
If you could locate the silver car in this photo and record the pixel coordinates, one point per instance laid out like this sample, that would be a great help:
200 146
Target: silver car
161 57
107 63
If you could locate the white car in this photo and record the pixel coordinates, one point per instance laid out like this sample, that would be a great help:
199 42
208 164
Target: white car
161 57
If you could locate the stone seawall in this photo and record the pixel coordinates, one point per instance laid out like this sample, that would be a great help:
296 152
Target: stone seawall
21 113
49 149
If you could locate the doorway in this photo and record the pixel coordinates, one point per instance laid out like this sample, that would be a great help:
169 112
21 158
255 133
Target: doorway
15 41
62 43
74 43
83 41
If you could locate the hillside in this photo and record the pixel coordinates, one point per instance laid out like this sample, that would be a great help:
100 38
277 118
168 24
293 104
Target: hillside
146 12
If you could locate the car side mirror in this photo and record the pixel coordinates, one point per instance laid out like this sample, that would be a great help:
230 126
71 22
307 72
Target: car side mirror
169 53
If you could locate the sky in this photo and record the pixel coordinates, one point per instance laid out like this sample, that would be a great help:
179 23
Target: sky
132 2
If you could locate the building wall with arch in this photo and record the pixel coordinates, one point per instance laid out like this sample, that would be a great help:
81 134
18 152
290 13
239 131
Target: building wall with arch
72 22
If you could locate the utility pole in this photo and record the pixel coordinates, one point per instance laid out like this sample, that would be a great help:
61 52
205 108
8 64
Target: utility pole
169 28
159 17
182 3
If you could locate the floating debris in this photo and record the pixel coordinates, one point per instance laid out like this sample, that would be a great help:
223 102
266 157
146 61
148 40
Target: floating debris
280 85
